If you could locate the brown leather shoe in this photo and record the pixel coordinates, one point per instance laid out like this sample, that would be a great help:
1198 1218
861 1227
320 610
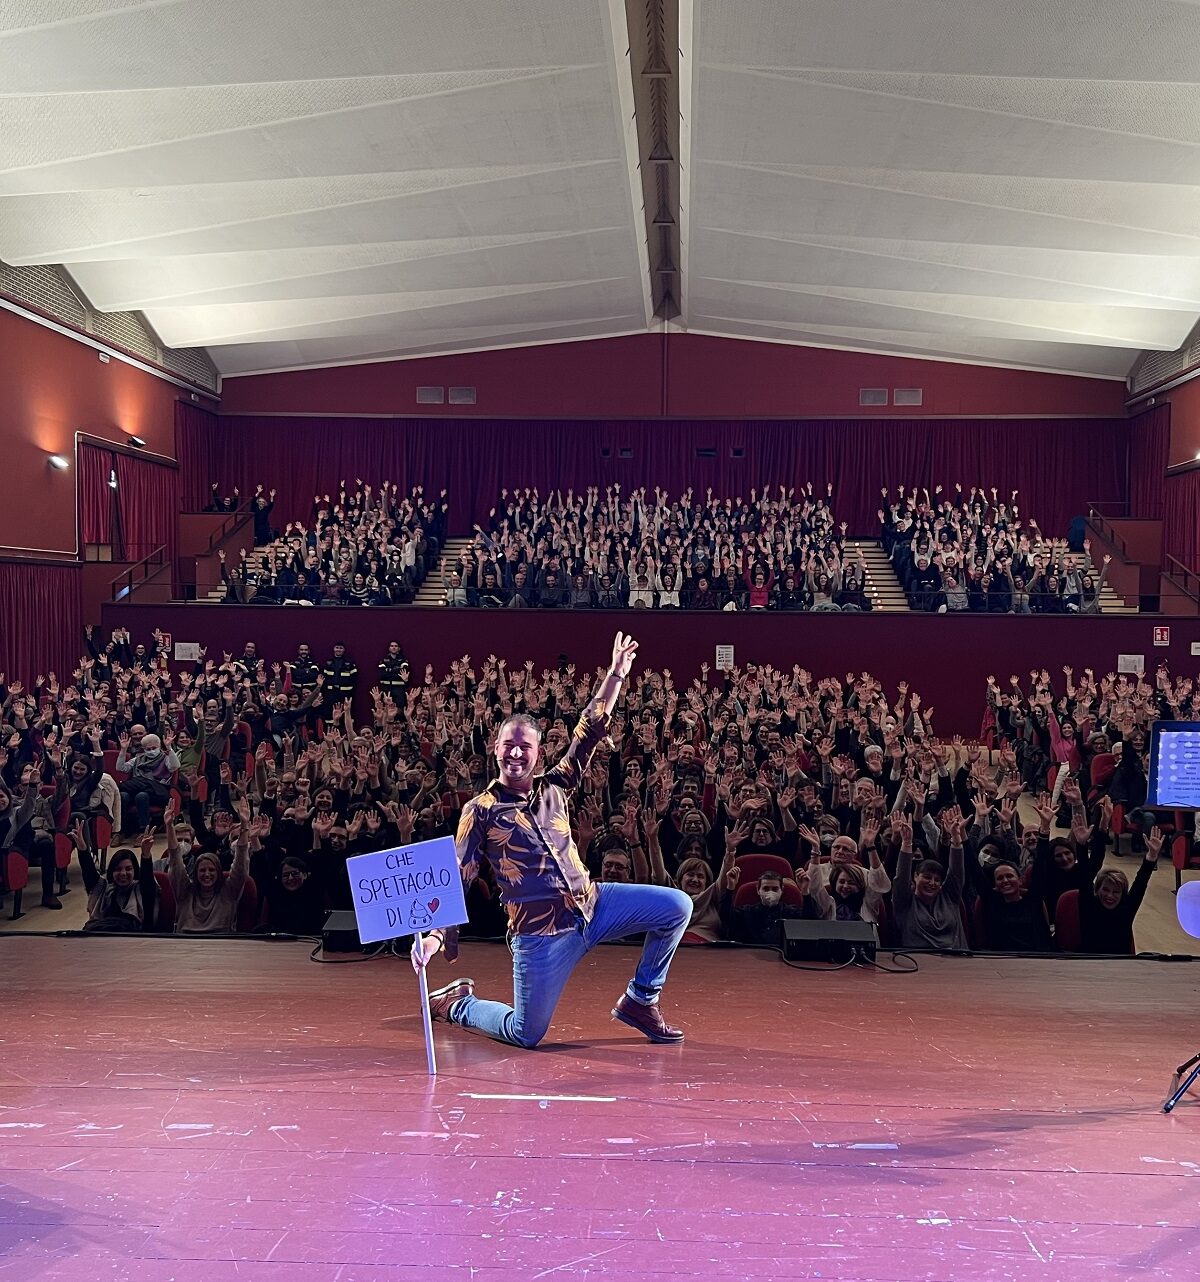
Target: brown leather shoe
442 999
647 1020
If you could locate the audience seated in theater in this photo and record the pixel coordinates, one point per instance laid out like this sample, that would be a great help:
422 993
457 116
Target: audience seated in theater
364 547
647 551
974 554
756 761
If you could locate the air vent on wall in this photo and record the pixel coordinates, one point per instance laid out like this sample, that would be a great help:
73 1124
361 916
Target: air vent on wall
706 451
462 396
431 395
737 451
908 395
872 395
624 451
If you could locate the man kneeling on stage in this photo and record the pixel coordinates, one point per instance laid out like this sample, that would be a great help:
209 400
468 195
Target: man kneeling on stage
556 913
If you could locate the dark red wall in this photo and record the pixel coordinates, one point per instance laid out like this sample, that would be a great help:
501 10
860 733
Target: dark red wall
1185 422
725 376
680 375
50 387
946 659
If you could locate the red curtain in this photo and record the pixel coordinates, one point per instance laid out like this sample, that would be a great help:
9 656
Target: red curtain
97 502
1181 518
1149 446
1058 465
196 433
148 503
40 620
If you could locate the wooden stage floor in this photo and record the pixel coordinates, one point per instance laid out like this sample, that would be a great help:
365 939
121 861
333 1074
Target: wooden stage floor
208 1111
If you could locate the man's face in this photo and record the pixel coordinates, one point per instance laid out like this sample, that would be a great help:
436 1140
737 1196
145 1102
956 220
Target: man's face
304 654
393 649
843 851
517 754
615 866
339 651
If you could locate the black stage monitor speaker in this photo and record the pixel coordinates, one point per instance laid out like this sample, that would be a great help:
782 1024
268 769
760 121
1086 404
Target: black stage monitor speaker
828 941
341 933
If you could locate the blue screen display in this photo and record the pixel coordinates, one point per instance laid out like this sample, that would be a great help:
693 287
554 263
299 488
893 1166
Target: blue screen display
1175 765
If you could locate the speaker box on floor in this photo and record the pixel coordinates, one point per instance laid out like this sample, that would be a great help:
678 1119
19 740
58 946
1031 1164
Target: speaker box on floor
828 941
341 933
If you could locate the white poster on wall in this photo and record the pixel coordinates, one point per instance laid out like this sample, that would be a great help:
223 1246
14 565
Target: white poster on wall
187 651
724 658
1132 663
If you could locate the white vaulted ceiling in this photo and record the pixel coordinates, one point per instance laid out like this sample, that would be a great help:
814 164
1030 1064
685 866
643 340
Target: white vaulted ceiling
292 182
302 182
1001 180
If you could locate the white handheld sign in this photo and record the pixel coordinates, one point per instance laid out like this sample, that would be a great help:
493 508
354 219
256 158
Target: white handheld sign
407 890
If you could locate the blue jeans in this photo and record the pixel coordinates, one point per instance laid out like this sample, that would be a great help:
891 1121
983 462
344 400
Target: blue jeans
542 964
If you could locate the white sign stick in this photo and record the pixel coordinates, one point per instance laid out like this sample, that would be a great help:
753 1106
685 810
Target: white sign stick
423 983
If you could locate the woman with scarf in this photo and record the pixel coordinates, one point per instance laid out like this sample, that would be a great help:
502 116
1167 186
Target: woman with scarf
92 792
125 899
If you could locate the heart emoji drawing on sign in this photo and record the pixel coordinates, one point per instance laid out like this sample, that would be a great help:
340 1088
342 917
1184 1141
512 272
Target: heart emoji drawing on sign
433 905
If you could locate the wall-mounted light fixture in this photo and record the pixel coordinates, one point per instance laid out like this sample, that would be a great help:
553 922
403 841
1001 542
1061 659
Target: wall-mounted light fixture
137 442
58 463
112 478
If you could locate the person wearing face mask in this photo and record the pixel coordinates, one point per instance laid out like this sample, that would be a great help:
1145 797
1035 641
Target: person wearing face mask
125 899
557 914
150 772
757 924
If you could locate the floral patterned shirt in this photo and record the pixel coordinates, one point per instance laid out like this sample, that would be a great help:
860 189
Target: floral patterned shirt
544 885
